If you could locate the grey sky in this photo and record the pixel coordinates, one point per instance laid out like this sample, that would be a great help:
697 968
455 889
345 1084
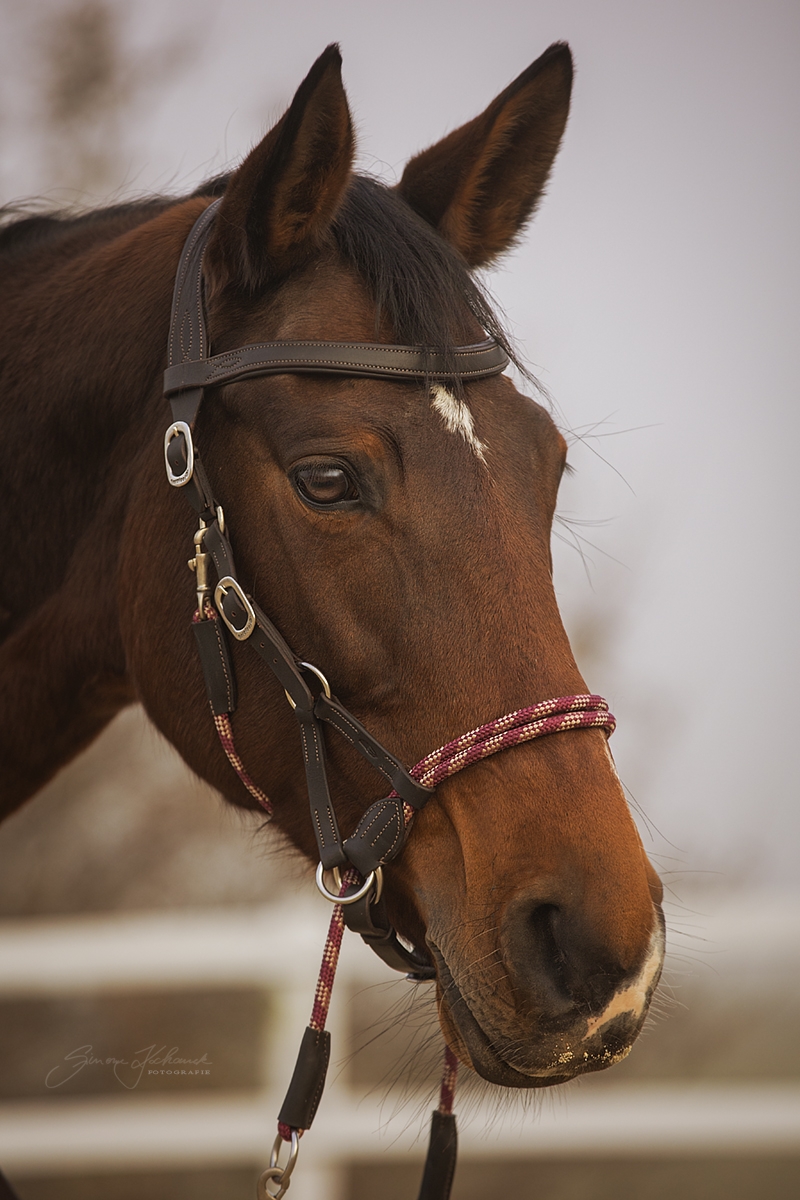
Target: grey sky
656 296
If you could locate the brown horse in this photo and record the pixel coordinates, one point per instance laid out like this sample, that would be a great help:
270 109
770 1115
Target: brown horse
397 535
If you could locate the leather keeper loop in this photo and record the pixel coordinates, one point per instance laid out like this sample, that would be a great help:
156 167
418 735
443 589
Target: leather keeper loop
215 659
302 1099
379 837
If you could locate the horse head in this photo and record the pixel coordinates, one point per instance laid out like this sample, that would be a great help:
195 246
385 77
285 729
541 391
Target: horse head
398 535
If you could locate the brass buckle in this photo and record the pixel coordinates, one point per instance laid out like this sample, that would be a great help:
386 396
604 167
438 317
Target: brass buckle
226 584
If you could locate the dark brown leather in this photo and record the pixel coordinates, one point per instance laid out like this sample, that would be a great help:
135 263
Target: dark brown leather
190 369
440 1163
302 1099
370 919
188 341
379 836
6 1190
332 711
218 546
337 358
215 659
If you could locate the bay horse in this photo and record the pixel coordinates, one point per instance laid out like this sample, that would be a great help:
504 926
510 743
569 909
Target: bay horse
395 530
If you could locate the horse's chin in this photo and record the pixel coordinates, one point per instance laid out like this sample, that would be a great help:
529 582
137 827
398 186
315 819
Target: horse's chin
472 1045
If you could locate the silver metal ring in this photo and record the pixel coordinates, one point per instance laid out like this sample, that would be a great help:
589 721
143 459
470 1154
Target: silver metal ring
276 1174
180 427
326 687
228 583
271 1175
375 877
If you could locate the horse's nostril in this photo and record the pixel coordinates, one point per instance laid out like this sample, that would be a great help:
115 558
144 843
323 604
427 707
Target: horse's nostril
542 921
555 959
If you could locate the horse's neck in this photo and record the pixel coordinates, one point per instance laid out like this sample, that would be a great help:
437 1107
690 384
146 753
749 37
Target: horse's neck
83 326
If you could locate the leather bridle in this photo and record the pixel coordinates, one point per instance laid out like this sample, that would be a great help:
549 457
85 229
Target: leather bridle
190 369
382 831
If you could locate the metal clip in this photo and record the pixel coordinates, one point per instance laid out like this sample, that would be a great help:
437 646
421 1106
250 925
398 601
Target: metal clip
276 1174
199 564
179 429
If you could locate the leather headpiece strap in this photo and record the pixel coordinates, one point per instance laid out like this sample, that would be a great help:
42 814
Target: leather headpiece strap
190 368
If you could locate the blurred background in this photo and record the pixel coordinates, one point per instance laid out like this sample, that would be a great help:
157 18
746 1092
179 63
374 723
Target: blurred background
656 299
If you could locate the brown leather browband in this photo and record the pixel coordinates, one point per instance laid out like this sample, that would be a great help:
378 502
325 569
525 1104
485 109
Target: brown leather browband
190 368
347 358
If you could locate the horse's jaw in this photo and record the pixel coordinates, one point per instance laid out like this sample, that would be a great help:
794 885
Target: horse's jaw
536 1050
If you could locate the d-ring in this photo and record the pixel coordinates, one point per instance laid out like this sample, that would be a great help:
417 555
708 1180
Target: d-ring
326 687
375 877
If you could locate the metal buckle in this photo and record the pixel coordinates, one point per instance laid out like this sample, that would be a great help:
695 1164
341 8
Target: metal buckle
375 877
228 583
276 1174
180 427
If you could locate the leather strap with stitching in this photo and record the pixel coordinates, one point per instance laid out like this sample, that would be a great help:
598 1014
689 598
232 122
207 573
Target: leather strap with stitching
189 369
345 358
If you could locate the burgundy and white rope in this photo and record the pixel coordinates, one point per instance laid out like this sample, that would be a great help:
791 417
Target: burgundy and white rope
225 731
327 973
523 725
222 724
447 1091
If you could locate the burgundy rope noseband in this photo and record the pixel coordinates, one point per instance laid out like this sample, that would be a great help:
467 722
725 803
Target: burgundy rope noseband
357 861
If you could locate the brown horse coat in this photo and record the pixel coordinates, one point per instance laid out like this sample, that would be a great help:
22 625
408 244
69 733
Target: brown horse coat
423 590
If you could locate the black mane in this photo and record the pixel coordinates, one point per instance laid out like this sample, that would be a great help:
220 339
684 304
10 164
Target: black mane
419 283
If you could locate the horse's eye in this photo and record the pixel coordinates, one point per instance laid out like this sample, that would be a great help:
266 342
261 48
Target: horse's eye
325 484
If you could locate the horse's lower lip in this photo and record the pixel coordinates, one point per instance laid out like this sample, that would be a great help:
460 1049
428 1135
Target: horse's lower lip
488 1064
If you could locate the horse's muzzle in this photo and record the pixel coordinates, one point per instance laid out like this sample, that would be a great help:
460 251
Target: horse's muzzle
551 1015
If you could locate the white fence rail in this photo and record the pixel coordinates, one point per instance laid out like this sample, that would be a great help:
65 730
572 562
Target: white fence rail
278 949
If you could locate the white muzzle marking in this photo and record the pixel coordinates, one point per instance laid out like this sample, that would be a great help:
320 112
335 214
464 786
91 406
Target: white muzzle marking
634 997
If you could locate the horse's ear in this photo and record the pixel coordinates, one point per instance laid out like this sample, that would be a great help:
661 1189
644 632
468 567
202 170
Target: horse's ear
280 202
481 183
